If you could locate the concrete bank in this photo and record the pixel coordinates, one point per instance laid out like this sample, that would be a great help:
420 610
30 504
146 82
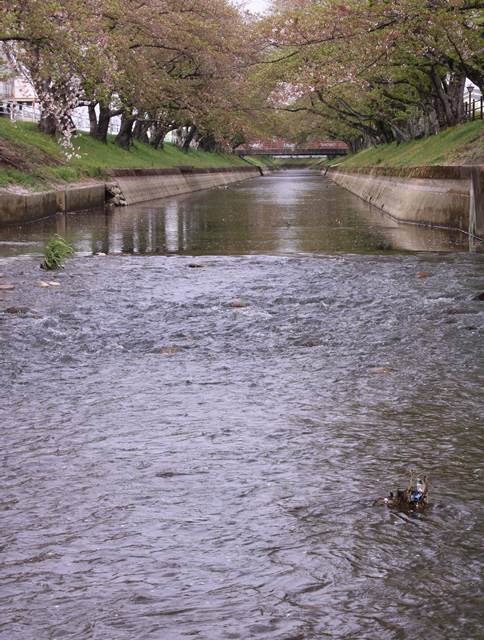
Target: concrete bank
131 186
445 196
124 186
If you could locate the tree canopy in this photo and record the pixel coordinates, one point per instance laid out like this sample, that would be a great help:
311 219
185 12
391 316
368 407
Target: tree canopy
365 71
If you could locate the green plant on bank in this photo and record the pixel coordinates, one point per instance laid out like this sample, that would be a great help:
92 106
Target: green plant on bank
55 253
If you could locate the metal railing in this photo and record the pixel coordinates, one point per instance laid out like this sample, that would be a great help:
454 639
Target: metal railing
473 109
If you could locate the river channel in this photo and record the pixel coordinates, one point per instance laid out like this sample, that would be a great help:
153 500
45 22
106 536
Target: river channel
179 465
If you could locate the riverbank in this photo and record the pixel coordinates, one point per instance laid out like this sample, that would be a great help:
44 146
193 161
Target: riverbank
460 145
37 179
33 161
437 181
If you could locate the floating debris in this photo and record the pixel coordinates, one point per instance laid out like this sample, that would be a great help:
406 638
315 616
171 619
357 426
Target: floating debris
7 287
413 498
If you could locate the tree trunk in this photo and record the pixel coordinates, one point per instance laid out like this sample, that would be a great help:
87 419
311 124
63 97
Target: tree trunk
189 137
208 142
124 139
140 131
449 103
92 118
158 135
103 123
48 124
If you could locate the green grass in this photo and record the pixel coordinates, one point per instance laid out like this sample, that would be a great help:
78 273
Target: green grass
275 162
49 164
260 161
463 144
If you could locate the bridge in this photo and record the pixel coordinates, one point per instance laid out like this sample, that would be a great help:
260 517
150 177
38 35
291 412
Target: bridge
281 148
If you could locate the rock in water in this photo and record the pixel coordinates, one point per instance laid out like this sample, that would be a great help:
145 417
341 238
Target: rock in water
19 311
237 303
7 287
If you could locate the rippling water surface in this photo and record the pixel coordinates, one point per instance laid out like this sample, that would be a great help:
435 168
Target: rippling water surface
174 467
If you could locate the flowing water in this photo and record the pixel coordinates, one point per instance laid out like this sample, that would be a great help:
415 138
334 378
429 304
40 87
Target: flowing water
174 466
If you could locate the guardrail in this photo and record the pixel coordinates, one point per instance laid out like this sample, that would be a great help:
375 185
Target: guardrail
473 110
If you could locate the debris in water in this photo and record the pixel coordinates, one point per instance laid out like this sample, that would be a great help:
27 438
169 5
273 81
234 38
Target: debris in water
423 274
197 265
413 498
7 287
42 284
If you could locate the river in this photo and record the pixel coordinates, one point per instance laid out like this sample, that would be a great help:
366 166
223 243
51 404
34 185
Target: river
179 465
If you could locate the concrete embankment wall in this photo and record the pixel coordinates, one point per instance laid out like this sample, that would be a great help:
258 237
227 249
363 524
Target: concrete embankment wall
15 208
135 185
141 185
445 196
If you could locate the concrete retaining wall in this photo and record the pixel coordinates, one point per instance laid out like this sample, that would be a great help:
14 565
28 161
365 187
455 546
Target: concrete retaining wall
141 185
431 196
16 208
136 185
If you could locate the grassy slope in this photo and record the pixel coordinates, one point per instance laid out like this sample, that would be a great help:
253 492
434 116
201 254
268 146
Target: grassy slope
463 144
48 163
275 163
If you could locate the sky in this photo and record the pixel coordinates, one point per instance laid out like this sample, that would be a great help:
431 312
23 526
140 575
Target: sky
257 5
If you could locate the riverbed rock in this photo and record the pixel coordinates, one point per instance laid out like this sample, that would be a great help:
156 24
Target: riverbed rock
308 343
18 311
422 274
197 265
480 296
169 351
381 370
238 303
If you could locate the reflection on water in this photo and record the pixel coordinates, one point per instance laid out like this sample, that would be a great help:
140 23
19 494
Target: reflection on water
291 212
